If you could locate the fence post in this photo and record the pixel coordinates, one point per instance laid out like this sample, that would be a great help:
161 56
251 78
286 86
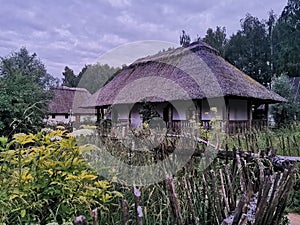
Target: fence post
175 206
138 208
95 216
80 220
124 210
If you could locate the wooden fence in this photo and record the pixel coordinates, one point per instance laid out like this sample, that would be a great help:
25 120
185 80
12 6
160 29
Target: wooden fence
239 188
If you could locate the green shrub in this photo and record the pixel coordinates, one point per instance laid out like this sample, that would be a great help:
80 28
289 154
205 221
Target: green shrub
45 179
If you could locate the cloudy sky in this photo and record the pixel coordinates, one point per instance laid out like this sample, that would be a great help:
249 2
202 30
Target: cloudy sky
77 32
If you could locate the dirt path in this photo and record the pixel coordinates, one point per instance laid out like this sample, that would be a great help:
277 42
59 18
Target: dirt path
294 218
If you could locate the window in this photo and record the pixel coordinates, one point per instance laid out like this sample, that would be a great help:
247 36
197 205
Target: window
238 109
66 116
53 116
212 109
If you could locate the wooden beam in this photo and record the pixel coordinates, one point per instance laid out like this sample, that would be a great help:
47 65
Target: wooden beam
98 114
249 109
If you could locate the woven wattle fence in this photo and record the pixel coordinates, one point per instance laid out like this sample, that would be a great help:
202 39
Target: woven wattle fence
238 188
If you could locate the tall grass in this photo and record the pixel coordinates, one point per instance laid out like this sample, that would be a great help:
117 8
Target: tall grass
285 140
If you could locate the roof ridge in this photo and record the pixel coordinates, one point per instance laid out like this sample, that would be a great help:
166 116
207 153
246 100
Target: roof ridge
192 47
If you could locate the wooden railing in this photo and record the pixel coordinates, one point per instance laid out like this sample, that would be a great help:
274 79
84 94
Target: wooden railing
259 124
235 127
244 126
179 124
231 127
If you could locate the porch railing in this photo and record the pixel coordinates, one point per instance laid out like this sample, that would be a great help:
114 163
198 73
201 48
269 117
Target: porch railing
231 127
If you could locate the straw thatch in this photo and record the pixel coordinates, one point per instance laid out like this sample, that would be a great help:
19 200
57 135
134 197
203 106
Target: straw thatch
68 100
194 72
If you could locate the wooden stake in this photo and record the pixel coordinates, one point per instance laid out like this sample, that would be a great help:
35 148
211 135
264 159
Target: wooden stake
175 206
138 208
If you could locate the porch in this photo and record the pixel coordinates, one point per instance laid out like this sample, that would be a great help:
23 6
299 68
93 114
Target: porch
231 115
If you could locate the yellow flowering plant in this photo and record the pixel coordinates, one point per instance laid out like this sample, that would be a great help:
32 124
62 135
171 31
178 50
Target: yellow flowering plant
44 178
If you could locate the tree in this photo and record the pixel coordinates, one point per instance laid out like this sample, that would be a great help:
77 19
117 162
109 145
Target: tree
284 113
286 36
24 92
29 66
249 49
216 39
271 24
93 77
70 79
184 39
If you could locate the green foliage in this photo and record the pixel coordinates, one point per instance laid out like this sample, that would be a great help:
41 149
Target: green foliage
294 201
262 49
287 112
249 49
91 77
216 39
3 142
285 140
286 36
70 79
148 112
46 179
29 66
24 85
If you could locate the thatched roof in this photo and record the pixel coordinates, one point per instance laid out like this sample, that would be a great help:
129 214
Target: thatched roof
66 100
194 72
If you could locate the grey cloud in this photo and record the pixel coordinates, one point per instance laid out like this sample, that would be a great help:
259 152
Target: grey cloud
75 32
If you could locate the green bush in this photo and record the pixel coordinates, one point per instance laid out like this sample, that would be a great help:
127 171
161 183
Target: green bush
44 178
287 112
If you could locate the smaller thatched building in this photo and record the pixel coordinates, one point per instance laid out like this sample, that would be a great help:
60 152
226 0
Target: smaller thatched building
65 106
184 84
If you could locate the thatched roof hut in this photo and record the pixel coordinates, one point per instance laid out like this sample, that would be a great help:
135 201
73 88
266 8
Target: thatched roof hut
197 70
68 100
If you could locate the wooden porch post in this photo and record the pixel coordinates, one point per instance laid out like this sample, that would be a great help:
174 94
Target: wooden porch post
171 113
198 111
129 117
168 115
267 114
102 113
226 116
250 113
98 114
